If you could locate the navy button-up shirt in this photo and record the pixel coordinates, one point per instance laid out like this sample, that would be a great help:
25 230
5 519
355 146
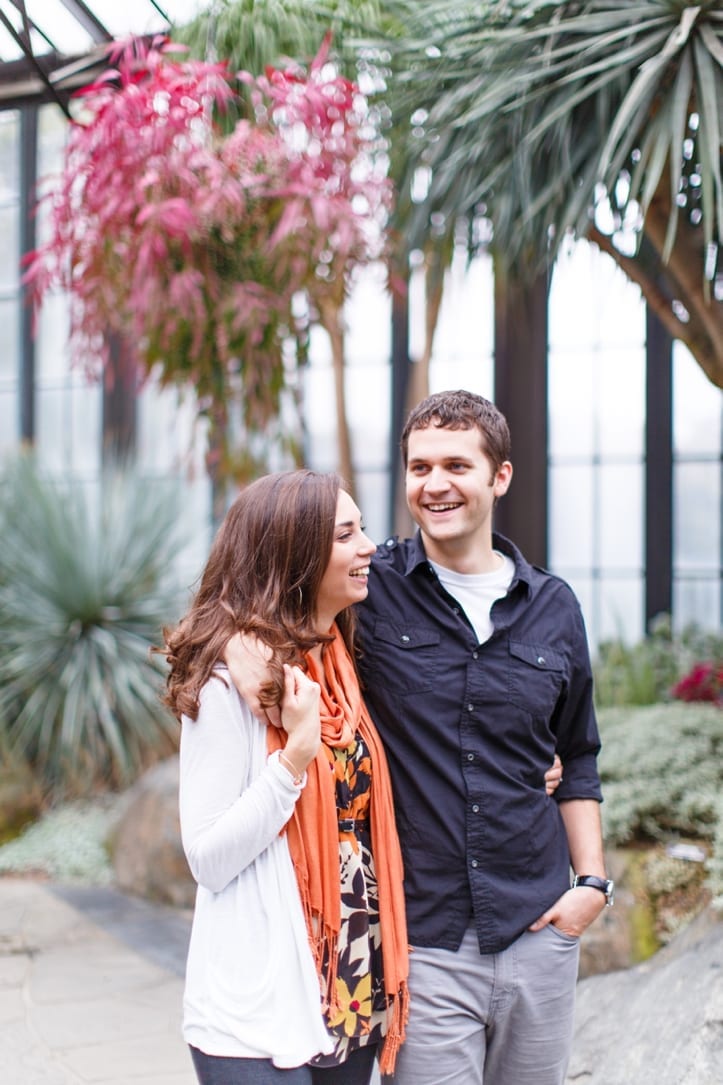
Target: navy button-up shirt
470 730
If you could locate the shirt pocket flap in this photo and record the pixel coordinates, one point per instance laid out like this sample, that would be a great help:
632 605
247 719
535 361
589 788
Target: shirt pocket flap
541 658
408 638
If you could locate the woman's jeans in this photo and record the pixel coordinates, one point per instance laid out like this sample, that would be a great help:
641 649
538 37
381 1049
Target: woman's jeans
220 1070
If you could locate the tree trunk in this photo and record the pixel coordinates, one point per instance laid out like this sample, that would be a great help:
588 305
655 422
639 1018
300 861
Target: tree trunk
331 315
119 404
217 462
436 265
521 394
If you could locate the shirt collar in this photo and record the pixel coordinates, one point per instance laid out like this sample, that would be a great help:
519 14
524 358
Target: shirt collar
524 572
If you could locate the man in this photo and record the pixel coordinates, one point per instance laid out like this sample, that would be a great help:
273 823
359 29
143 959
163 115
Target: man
476 669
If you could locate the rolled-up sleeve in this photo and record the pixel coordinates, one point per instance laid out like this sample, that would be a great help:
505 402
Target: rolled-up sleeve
574 721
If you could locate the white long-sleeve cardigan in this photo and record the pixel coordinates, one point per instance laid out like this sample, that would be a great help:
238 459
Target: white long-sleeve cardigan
251 985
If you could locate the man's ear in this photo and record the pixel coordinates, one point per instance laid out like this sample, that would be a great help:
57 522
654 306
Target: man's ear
502 479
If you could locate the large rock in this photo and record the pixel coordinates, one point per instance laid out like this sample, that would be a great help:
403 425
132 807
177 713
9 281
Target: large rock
607 945
658 1023
145 846
21 797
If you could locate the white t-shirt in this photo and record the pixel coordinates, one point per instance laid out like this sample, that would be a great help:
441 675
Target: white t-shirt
252 988
476 592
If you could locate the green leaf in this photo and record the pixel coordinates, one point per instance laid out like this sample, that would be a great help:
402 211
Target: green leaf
707 76
678 123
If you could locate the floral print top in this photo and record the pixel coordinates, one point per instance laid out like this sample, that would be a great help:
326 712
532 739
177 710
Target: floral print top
361 1018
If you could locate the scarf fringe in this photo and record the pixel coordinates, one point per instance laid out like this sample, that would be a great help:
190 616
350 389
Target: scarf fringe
395 1032
328 955
324 950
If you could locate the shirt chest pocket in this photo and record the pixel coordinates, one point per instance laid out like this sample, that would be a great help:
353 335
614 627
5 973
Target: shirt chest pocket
405 658
535 678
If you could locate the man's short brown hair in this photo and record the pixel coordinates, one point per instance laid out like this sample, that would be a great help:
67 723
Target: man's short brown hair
461 410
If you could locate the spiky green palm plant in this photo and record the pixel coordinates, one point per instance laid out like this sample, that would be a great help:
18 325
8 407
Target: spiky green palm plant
84 591
597 118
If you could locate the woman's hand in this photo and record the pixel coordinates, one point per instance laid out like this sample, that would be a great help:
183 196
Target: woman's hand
553 776
300 719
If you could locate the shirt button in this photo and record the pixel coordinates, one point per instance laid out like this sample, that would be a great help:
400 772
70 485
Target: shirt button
541 660
470 757
470 708
474 864
475 655
405 638
475 809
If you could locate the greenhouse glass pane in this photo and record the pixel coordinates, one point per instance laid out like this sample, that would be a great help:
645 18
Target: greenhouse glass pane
465 329
620 516
141 17
368 318
9 341
697 407
68 428
620 402
9 155
66 34
9 247
571 516
573 321
697 602
170 437
373 501
621 611
52 134
697 516
85 408
368 410
52 358
9 422
592 301
571 403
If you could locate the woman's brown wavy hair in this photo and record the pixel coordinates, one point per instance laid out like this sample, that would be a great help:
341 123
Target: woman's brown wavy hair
262 577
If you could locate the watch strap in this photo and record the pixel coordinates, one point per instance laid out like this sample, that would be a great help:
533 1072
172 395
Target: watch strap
592 881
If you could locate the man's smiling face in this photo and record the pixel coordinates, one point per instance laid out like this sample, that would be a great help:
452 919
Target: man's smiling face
451 490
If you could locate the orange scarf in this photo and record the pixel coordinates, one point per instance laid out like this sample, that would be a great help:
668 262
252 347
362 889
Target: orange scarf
313 837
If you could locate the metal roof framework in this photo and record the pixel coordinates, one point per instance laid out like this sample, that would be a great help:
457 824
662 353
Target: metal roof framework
50 48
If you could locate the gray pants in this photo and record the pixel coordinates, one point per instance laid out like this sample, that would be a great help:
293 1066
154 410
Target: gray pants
498 1019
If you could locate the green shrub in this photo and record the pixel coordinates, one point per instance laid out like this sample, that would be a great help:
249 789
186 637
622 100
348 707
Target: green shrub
84 591
645 673
661 768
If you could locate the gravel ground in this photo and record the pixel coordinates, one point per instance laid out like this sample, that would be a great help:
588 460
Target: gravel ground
67 844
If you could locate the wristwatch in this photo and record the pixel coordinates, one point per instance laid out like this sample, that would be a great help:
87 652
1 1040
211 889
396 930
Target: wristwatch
605 885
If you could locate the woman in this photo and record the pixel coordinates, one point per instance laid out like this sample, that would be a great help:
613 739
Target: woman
297 964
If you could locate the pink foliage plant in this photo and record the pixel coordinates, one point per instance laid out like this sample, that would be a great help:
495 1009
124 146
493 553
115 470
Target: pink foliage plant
190 241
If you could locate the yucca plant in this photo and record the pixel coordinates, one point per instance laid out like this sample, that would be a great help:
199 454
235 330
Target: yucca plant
84 591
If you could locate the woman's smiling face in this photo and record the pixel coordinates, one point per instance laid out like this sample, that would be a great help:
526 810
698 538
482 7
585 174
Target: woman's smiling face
345 580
